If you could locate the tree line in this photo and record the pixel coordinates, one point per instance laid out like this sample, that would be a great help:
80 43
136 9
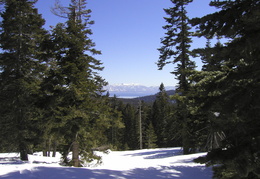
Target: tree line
52 94
219 104
147 125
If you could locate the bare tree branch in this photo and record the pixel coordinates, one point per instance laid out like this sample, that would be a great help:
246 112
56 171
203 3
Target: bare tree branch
60 10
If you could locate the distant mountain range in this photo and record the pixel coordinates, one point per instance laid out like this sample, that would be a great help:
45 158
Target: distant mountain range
147 99
133 90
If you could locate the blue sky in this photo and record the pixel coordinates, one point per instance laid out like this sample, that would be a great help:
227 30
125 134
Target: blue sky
128 34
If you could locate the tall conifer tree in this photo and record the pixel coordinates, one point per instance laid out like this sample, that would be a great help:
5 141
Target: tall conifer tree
150 137
130 119
20 73
160 116
175 49
74 84
234 87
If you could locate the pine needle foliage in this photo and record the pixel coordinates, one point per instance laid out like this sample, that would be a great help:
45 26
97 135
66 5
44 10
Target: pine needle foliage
176 50
233 88
74 85
21 67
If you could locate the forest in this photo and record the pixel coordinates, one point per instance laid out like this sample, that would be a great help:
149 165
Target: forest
52 96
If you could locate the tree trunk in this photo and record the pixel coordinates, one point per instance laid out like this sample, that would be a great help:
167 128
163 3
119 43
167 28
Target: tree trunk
23 155
185 138
54 149
23 152
75 154
44 152
140 126
49 148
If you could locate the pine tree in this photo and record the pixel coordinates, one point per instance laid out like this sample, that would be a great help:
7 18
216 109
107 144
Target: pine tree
21 72
130 118
176 46
151 137
74 85
114 132
143 121
210 133
210 57
161 114
233 89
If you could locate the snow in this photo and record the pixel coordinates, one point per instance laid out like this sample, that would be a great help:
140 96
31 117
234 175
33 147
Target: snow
136 164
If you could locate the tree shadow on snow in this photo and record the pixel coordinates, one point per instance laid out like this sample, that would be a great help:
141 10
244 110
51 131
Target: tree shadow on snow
83 173
10 160
162 153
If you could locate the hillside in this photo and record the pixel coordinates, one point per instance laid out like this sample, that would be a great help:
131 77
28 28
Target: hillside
147 99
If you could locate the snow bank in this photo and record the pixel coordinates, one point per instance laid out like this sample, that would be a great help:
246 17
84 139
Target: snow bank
139 164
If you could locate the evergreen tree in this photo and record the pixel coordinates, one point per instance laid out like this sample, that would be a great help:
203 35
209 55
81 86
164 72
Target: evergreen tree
21 70
210 57
151 137
144 114
176 46
131 127
74 86
161 115
233 89
210 134
114 133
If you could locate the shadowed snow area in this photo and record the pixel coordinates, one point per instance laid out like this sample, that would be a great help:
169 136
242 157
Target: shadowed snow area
138 164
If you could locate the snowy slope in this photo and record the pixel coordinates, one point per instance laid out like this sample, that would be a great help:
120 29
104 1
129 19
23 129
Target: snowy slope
143 164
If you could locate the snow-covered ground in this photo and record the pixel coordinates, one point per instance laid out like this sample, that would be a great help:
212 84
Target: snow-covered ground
138 164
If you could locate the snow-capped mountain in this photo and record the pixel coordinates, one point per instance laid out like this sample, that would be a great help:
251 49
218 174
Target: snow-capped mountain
133 90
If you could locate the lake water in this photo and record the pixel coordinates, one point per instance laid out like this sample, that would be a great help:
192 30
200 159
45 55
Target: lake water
129 95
